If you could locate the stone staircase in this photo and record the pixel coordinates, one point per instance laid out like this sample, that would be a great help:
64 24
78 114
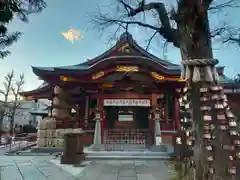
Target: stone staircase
126 155
125 147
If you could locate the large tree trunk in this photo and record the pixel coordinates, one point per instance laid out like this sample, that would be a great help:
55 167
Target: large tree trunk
196 44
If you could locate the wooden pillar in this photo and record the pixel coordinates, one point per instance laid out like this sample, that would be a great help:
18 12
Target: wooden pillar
86 112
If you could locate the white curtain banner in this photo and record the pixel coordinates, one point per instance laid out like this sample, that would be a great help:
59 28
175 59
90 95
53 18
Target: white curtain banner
127 102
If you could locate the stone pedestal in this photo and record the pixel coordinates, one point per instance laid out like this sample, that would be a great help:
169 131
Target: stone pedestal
158 146
97 142
73 148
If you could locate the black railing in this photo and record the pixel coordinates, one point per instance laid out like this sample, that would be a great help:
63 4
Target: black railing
126 139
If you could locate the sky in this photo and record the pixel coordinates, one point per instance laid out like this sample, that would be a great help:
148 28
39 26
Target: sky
43 45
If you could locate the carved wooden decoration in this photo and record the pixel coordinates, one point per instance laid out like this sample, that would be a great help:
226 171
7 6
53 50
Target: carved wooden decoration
127 68
107 85
98 75
157 76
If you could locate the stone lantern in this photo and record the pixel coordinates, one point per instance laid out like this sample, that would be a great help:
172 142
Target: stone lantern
158 146
97 141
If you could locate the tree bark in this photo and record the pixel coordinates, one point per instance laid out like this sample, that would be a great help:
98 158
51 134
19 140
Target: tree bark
196 44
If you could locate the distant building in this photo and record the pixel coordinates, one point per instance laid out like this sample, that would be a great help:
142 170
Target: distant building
24 114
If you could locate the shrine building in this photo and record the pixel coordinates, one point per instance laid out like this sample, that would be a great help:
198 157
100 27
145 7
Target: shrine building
128 83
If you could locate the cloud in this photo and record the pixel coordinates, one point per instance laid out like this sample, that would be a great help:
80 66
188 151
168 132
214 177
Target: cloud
72 35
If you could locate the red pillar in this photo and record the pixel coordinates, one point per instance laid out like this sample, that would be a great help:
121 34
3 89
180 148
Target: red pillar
100 102
177 114
152 123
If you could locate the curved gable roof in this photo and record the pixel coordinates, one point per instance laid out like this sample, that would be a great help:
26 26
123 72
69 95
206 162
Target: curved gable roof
127 38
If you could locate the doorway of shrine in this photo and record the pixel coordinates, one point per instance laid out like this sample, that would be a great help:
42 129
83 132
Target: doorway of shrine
126 127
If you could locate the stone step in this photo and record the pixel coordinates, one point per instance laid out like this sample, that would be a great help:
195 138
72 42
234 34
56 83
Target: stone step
125 153
109 157
125 147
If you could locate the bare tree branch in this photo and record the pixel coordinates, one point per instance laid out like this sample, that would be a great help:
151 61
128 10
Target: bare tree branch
150 40
228 4
15 90
7 85
102 21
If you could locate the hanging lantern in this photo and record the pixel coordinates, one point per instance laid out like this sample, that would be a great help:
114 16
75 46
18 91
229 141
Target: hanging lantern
190 142
219 106
223 97
211 170
230 114
203 90
230 158
178 140
187 106
185 98
225 104
180 101
209 148
212 127
221 116
216 88
232 124
205 108
236 142
238 155
185 89
207 117
192 164
215 97
210 158
228 147
233 133
232 170
206 127
150 116
187 133
207 136
223 127
204 98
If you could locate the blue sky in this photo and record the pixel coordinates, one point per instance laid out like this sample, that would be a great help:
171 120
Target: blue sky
42 44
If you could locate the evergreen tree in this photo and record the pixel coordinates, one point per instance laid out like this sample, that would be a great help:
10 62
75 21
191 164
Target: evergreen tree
9 9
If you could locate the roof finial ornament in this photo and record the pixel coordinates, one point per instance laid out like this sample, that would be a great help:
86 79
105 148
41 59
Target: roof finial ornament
126 36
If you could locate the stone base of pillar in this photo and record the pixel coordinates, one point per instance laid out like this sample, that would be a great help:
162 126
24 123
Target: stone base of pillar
158 148
97 147
76 159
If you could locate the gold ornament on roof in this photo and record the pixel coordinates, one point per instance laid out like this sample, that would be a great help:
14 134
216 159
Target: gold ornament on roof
157 76
98 75
65 78
124 48
127 69
107 85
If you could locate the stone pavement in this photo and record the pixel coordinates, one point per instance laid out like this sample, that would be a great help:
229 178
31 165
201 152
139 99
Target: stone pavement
49 168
